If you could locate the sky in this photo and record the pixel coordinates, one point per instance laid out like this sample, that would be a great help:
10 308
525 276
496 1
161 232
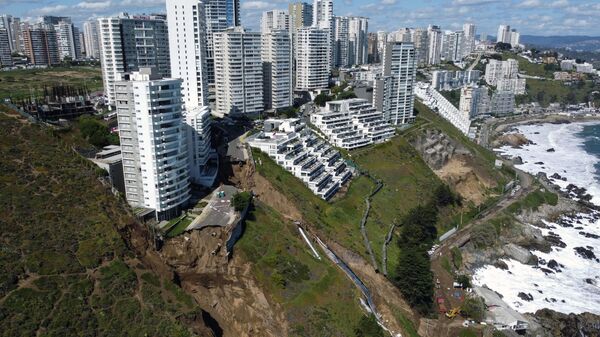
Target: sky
531 17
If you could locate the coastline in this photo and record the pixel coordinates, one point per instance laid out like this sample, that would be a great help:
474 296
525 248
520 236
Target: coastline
564 227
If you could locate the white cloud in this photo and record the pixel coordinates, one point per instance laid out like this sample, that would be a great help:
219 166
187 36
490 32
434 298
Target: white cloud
388 2
256 5
94 5
530 4
472 2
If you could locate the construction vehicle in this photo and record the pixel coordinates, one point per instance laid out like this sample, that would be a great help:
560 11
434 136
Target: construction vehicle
453 312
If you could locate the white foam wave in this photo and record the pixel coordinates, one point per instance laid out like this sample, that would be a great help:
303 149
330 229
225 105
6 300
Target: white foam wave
566 291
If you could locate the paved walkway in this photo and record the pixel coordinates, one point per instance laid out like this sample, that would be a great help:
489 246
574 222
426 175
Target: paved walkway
218 212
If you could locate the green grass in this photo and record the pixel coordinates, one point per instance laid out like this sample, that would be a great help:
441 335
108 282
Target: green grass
467 333
528 68
407 324
315 294
551 91
533 201
453 96
177 226
60 236
19 84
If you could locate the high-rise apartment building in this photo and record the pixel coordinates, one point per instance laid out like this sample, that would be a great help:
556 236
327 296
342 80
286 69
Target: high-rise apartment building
350 41
92 39
40 45
277 69
496 70
420 39
393 93
6 22
372 51
5 52
219 15
202 159
239 72
153 142
474 100
54 20
188 49
382 38
274 20
469 32
312 59
434 35
67 38
453 46
503 34
128 43
515 38
323 19
301 15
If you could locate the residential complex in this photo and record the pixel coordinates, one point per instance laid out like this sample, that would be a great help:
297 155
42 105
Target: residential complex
128 43
350 41
507 35
277 70
202 158
153 142
393 90
450 80
438 103
239 72
352 123
312 58
296 148
474 101
40 45
504 75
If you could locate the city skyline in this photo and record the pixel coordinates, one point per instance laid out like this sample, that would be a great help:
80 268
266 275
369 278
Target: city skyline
532 17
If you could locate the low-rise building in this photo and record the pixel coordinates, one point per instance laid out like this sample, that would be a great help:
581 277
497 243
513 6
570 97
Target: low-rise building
439 104
585 68
352 123
301 152
111 160
450 80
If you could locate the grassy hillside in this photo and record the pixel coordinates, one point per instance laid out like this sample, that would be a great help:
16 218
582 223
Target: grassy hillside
19 84
64 269
407 182
315 294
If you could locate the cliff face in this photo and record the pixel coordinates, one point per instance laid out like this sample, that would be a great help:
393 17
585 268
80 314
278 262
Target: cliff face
557 324
454 163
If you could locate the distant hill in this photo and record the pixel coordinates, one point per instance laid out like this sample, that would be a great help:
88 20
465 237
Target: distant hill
584 43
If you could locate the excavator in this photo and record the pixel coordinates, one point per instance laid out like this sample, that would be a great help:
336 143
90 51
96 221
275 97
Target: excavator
453 312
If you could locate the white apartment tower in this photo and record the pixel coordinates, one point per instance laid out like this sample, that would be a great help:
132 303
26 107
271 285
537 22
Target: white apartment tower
128 43
503 34
312 59
202 161
452 46
474 101
350 41
515 38
434 34
469 32
323 19
238 71
274 20
188 49
393 93
153 142
92 39
277 69
67 37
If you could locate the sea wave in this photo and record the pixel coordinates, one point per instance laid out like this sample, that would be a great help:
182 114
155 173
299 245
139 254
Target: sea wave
572 283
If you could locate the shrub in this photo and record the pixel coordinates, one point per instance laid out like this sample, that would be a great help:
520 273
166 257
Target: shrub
241 200
368 327
483 235
456 257
474 307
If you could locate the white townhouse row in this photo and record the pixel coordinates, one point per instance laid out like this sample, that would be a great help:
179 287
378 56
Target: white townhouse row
301 152
438 103
352 123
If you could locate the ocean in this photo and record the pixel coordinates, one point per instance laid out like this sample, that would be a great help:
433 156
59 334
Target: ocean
567 279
